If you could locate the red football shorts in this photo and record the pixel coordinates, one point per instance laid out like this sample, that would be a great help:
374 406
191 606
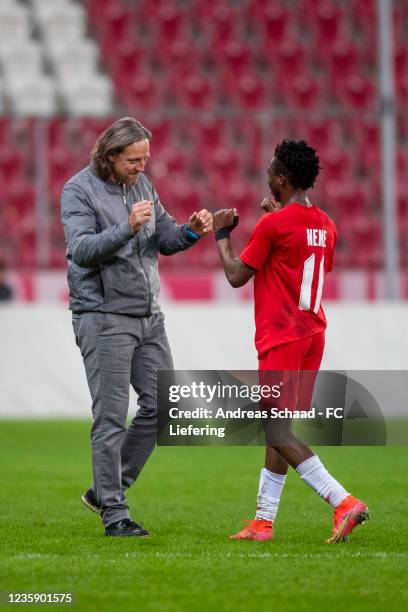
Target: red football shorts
293 366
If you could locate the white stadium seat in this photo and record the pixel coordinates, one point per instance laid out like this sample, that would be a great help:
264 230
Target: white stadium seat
35 97
92 97
22 59
47 5
14 24
1 98
73 69
43 9
75 84
85 50
63 21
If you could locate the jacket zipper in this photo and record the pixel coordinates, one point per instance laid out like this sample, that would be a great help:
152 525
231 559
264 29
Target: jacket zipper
149 293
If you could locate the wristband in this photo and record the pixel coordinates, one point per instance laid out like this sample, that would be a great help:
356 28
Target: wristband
224 232
192 234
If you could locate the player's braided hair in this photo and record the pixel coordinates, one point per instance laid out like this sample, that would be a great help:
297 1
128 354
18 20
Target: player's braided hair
298 162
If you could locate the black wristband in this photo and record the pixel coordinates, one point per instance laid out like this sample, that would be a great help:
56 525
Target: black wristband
224 232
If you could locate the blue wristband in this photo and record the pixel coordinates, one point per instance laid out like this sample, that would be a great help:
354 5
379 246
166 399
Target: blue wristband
192 234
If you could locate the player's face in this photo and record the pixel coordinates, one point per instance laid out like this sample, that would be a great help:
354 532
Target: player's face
131 162
275 182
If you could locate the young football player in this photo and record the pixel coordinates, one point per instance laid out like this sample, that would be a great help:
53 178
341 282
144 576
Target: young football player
289 253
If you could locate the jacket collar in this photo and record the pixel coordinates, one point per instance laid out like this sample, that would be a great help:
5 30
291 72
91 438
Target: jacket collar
110 186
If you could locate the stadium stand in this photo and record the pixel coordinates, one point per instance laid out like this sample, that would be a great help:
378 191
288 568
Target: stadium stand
219 84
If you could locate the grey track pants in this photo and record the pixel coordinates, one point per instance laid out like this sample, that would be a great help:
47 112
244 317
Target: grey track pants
119 350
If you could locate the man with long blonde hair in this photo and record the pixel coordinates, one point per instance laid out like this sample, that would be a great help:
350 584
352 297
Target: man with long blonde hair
115 226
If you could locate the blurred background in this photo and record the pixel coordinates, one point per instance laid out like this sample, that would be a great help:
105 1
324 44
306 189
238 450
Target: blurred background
219 84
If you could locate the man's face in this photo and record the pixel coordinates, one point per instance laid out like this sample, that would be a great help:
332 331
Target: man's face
131 162
275 181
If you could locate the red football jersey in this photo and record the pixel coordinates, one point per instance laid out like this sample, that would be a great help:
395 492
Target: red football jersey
291 250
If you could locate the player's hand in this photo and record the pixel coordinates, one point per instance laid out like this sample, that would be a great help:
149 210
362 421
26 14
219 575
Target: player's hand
226 217
270 205
140 214
201 222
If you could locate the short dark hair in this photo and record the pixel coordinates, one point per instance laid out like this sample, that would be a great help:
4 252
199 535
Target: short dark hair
298 162
114 140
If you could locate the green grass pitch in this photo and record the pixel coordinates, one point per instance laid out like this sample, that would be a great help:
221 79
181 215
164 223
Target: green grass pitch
191 499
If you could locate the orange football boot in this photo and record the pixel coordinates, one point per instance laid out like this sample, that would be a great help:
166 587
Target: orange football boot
349 514
256 529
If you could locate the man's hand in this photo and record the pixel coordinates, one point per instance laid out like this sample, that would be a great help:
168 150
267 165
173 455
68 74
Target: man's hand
270 205
237 273
141 213
201 222
226 217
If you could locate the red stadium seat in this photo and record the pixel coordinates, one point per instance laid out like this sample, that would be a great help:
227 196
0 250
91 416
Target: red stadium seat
367 242
403 204
184 196
206 78
222 165
179 56
171 159
21 197
359 93
140 93
337 163
4 131
59 133
201 138
126 60
87 131
159 20
329 23
162 133
249 91
370 159
169 21
246 137
12 163
303 93
402 90
241 195
237 56
321 134
291 59
62 163
343 59
364 133
275 21
115 25
195 91
363 10
219 21
401 61
98 9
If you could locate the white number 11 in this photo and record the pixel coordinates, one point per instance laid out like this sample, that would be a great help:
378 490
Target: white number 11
305 299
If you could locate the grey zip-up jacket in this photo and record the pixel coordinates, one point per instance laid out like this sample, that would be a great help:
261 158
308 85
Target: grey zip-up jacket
111 269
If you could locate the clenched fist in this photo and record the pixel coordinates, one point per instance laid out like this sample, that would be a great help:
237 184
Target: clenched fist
141 213
226 218
201 222
270 205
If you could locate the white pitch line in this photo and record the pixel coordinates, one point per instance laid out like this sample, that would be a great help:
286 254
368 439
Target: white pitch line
240 555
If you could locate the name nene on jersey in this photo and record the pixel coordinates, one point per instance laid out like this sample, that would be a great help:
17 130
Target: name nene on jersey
316 237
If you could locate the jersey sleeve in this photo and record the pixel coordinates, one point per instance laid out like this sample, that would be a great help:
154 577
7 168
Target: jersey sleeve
331 252
262 240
